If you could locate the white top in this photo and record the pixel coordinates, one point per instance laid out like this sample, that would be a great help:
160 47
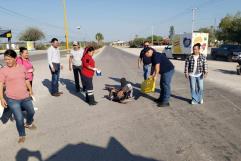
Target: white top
53 55
76 55
195 72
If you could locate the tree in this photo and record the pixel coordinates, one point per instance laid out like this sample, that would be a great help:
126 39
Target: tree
99 37
137 42
156 39
171 32
31 34
230 29
212 34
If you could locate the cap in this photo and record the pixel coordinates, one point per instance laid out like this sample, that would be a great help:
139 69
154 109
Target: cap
75 43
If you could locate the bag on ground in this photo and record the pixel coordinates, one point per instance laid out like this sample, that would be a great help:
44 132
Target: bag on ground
148 85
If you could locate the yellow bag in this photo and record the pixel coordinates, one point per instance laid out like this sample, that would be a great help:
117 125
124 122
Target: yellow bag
148 85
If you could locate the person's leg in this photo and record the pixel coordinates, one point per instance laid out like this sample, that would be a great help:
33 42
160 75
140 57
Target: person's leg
193 88
200 88
76 77
58 74
15 107
27 105
145 72
149 71
166 83
53 82
83 83
90 91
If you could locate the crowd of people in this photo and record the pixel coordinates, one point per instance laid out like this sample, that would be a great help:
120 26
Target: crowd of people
16 78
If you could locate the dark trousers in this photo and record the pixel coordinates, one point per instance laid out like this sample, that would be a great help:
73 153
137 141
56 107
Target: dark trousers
88 85
165 85
77 76
17 107
55 78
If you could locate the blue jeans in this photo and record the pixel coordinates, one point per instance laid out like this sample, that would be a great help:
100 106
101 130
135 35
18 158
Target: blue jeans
17 107
165 85
55 78
196 85
147 71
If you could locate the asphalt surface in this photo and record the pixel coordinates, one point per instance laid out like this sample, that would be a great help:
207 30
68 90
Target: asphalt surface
70 130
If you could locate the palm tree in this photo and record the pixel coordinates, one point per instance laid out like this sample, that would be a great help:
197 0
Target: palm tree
99 37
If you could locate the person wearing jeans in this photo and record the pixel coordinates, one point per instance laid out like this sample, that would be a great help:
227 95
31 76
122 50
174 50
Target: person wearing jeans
17 95
54 66
163 66
147 64
76 55
196 70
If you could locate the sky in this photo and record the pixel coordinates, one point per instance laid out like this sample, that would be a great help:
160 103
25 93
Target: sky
116 20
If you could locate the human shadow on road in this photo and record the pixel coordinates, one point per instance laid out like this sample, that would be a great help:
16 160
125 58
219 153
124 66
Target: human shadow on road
47 84
181 98
233 72
70 86
25 154
114 151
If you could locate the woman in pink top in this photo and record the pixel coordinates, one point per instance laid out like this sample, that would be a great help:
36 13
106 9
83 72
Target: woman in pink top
24 60
18 92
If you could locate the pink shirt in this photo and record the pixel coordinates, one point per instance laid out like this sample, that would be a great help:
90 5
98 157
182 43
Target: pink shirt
28 66
14 79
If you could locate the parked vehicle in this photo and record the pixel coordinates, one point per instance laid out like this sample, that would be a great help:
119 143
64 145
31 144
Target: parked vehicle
225 51
168 52
237 58
183 44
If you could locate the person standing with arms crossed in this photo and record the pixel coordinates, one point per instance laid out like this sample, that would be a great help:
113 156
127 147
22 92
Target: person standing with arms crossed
87 73
18 93
75 63
54 66
146 61
196 69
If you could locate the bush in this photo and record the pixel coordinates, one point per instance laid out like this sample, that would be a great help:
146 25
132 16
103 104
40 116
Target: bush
41 47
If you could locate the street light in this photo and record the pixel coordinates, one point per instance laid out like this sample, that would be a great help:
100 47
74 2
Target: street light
66 25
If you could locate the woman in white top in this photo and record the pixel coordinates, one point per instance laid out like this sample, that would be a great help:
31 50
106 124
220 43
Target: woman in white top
75 63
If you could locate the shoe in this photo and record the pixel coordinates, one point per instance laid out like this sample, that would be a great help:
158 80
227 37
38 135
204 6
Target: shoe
164 104
60 93
194 103
56 94
201 102
30 127
21 139
92 101
158 100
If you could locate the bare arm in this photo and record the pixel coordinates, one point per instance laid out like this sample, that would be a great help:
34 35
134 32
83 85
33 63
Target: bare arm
3 101
70 62
156 71
29 87
139 62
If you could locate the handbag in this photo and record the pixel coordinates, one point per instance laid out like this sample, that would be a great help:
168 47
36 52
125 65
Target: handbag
148 85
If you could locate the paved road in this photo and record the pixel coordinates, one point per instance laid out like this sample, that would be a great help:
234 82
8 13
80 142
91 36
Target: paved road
68 129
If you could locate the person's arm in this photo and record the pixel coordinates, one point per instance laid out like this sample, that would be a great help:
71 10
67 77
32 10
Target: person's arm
3 101
50 59
29 87
186 68
205 67
139 62
70 62
156 71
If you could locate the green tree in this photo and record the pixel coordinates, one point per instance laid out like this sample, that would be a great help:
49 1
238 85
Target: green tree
230 29
156 39
171 32
212 34
99 37
137 42
31 34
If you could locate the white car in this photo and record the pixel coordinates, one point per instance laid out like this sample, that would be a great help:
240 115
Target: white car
168 52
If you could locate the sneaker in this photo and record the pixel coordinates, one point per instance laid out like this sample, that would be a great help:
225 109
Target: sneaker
35 108
194 103
201 102
30 127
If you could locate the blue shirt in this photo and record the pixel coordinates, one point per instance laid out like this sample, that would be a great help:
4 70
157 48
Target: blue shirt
165 64
146 60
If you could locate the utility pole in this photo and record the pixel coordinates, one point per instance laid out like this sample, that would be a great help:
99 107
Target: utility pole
152 37
193 18
66 25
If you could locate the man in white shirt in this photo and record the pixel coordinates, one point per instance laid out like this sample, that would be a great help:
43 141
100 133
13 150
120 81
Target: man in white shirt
75 63
54 66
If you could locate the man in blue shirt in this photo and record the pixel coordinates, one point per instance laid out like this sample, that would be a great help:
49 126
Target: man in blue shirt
163 66
147 64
